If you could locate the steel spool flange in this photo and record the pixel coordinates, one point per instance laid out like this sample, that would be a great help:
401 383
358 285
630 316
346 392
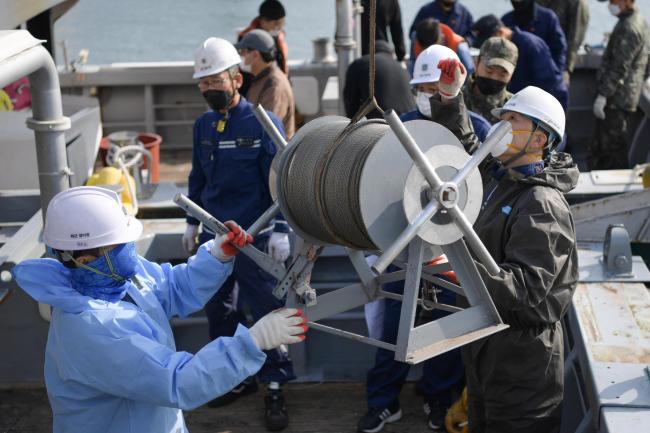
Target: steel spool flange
467 195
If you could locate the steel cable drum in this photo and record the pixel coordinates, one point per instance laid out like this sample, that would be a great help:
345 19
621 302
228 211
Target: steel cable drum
350 191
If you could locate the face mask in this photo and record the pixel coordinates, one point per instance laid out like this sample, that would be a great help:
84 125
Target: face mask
218 99
614 9
244 67
448 3
422 101
489 86
106 276
275 32
506 142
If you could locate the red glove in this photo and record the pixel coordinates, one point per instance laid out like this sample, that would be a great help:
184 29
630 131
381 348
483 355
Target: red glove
226 246
452 77
449 275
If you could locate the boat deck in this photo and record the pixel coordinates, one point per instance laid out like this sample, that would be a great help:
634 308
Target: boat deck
313 408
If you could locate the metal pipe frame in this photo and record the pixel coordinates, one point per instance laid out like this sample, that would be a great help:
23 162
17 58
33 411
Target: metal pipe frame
424 166
264 219
263 260
267 124
48 121
416 344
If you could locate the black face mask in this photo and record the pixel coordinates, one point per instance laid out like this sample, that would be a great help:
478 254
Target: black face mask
488 86
448 3
218 99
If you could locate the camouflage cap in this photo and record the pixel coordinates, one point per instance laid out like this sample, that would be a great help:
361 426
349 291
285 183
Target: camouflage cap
498 51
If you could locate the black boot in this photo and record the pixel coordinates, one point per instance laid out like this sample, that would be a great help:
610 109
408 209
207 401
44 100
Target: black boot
276 416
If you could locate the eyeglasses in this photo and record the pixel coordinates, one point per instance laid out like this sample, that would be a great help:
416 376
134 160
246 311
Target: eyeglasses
211 82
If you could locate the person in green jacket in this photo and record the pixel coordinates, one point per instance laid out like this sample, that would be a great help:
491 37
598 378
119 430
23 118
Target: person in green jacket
515 377
620 78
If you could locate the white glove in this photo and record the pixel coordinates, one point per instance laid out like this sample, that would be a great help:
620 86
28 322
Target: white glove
283 326
278 246
452 78
599 107
190 238
226 246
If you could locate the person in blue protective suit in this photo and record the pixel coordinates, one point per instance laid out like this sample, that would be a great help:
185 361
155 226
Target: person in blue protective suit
540 21
231 162
449 12
442 375
535 65
111 365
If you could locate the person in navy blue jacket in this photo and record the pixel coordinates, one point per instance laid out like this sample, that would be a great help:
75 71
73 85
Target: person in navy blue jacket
231 161
449 12
535 66
540 21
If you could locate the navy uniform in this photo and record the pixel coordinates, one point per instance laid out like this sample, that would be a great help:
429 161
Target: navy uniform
440 375
459 18
544 23
231 161
479 123
535 67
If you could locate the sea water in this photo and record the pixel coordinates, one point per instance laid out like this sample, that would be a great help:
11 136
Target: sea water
167 30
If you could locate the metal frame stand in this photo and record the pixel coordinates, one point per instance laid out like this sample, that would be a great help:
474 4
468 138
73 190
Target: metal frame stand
414 343
418 343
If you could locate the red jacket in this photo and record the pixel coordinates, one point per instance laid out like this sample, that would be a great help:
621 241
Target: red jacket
451 40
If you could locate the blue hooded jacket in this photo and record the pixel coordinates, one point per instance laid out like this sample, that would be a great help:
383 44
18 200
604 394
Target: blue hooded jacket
112 367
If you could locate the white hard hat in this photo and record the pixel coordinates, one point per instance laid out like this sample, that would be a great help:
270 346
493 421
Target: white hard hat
538 104
88 217
426 65
214 55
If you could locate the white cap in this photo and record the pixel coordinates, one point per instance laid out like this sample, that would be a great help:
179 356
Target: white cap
88 217
213 56
426 65
538 104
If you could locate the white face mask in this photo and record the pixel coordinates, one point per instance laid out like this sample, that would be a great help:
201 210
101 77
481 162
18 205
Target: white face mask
503 144
614 9
422 101
275 32
243 66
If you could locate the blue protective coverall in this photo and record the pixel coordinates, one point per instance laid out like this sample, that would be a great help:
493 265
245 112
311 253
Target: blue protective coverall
479 123
546 25
229 179
112 367
535 67
459 18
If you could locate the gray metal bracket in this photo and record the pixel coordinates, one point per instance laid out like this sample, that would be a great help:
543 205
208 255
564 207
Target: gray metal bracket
617 252
417 343
298 275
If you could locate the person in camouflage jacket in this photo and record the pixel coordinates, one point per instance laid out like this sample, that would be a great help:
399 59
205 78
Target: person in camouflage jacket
619 82
485 89
574 20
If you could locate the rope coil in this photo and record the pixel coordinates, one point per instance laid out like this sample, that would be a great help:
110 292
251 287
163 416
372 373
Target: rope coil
325 169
